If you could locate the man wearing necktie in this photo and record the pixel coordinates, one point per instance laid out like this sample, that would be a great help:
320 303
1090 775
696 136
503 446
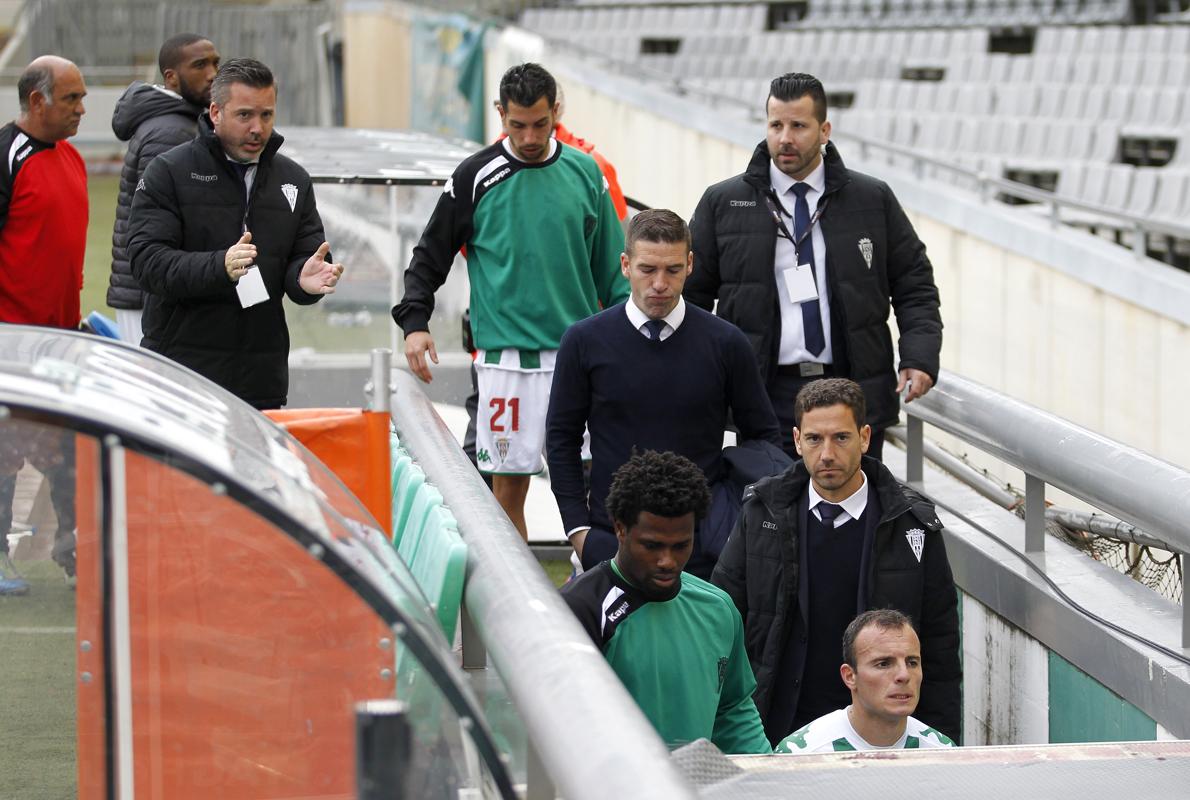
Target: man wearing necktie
651 373
807 257
833 536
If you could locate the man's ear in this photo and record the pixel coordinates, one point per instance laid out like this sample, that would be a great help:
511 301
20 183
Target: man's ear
797 440
624 264
169 79
865 437
848 676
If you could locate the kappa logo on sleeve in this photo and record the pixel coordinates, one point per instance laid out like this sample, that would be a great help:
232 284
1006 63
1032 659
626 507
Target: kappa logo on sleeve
290 192
139 185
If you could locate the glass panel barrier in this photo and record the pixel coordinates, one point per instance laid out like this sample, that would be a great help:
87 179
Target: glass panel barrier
51 705
248 652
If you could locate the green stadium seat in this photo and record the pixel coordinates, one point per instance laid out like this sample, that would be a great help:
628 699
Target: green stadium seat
408 540
440 566
407 483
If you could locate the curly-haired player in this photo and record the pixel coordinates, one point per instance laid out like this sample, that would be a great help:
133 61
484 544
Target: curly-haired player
674 640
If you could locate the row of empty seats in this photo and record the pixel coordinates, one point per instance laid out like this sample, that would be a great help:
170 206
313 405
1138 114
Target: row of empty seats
670 19
427 539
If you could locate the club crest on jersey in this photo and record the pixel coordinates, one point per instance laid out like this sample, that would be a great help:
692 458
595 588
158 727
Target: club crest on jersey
917 541
865 249
290 192
502 448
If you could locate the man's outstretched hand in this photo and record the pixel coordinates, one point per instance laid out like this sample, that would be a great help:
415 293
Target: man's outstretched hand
320 276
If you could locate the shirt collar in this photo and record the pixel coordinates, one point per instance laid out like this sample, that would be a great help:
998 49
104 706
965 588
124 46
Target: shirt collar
553 146
853 505
781 182
639 318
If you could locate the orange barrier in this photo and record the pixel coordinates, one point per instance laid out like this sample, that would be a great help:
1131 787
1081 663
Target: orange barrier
354 444
90 677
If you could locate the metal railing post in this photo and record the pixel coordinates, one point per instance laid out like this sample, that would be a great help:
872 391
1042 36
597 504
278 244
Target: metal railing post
1185 616
914 449
475 655
1138 241
379 388
383 749
538 785
1034 514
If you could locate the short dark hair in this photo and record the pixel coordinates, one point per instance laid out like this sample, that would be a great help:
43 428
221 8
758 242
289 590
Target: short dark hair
886 619
527 83
665 484
35 79
831 392
170 54
796 85
247 71
657 225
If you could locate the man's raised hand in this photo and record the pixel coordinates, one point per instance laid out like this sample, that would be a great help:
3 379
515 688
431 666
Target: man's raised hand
320 276
239 257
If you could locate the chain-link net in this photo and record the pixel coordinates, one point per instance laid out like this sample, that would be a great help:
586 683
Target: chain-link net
1157 569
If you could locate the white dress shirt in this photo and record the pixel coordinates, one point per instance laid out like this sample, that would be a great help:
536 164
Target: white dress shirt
853 507
793 339
672 320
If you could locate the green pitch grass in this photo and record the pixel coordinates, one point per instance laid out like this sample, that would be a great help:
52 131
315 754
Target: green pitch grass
37 702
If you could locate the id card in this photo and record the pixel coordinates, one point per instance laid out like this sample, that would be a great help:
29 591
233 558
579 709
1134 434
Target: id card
799 282
250 288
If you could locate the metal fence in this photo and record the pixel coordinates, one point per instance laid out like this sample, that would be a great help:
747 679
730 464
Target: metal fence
121 38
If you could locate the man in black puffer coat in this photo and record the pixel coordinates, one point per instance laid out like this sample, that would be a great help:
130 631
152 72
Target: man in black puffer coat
863 258
221 229
153 119
831 537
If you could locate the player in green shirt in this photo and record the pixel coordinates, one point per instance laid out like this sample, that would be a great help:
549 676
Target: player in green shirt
882 668
676 642
543 249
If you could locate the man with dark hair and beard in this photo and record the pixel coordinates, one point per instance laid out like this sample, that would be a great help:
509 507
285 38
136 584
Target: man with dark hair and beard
675 641
152 119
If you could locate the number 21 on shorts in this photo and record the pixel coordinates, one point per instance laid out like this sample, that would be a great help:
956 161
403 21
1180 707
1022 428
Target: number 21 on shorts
501 404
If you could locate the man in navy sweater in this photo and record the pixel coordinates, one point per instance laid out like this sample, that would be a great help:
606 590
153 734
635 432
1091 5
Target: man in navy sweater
652 373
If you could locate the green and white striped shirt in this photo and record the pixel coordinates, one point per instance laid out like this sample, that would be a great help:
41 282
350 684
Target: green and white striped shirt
833 733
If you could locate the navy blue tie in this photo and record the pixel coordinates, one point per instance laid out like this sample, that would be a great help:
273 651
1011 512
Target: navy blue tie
654 327
811 315
828 512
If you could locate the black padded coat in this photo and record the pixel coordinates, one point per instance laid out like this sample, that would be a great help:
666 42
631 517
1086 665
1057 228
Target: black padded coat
759 568
734 242
152 120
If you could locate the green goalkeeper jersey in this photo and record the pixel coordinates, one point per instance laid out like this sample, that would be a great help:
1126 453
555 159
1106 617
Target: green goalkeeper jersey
542 241
682 659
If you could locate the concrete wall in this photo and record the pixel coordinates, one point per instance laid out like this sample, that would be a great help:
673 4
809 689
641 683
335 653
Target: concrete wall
376 59
1049 315
1016 691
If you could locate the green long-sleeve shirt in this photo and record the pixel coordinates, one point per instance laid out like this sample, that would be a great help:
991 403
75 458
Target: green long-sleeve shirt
681 659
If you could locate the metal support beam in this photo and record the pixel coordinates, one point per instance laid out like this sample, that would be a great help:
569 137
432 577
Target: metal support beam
1034 514
475 655
914 450
538 784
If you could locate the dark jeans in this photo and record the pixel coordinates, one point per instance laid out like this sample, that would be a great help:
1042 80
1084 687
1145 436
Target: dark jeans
783 391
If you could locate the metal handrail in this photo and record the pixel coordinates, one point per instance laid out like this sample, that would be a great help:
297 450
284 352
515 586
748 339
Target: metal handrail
1123 481
572 704
1110 475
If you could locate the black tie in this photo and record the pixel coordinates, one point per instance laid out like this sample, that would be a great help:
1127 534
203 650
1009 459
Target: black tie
828 512
811 315
654 327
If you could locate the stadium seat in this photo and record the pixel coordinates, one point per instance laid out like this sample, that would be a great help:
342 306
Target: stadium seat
406 485
439 566
413 531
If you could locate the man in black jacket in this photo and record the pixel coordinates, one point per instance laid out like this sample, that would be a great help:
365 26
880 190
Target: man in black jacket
153 119
220 229
805 257
833 536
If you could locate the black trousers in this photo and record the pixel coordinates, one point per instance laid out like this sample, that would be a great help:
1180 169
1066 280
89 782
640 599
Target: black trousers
783 391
